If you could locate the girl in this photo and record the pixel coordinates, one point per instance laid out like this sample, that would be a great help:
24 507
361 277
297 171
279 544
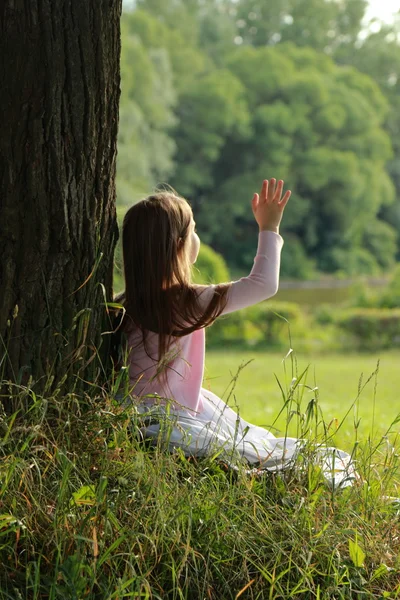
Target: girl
165 320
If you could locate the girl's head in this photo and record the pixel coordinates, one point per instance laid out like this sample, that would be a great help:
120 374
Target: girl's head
159 242
159 246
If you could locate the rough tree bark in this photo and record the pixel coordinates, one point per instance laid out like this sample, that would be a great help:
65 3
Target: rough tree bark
59 95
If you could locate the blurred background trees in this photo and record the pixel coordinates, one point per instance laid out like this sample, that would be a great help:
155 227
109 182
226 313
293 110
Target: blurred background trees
219 94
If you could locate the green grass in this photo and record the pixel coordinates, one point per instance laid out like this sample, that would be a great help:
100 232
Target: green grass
337 377
88 511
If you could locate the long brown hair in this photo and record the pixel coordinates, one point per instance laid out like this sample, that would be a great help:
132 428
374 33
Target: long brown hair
159 295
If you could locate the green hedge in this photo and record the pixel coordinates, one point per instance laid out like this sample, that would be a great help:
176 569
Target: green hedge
264 324
371 328
267 325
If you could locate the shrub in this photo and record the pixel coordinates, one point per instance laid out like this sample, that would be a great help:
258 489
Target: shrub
295 263
324 314
362 296
350 261
210 267
380 239
372 328
391 295
263 324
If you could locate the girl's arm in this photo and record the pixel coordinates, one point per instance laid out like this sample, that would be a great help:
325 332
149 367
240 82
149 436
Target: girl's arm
263 280
260 284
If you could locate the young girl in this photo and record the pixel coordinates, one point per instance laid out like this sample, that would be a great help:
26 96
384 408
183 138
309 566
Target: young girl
165 320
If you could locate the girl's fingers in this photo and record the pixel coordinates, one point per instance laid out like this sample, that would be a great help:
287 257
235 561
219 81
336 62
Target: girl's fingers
254 202
271 189
264 190
285 199
278 192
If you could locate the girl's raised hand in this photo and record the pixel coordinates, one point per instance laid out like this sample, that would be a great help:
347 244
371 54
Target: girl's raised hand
268 206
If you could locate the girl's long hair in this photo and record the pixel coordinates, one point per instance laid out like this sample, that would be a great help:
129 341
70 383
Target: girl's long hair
159 295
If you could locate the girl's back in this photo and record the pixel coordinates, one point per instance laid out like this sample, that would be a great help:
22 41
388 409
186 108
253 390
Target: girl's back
165 313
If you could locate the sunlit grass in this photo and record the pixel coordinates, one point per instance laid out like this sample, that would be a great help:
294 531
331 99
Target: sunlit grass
89 511
337 377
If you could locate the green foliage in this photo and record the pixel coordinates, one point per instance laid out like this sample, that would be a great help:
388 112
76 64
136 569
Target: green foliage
145 148
214 117
366 319
391 296
333 164
379 56
380 239
352 261
372 328
386 296
294 261
187 60
263 325
316 23
210 267
210 110
324 314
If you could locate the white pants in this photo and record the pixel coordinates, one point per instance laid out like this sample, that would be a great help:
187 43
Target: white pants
218 431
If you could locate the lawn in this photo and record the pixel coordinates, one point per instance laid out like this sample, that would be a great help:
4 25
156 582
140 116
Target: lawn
337 377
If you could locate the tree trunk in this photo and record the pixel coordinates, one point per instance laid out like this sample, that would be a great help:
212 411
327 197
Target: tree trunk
59 74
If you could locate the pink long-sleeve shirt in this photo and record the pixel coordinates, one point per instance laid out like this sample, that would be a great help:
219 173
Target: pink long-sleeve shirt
182 378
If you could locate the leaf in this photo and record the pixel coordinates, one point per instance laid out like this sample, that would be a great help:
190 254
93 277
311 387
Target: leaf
110 550
9 523
85 495
288 354
380 571
244 588
95 543
7 520
356 553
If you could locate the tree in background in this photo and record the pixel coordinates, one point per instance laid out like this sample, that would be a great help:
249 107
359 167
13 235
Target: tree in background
337 28
59 99
318 24
146 111
256 93
378 55
316 125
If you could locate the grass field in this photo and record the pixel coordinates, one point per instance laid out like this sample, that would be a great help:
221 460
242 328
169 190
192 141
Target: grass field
337 377
90 512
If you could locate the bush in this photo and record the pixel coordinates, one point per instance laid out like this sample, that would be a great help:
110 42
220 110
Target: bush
210 267
295 263
264 324
380 239
372 328
324 314
391 295
350 262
